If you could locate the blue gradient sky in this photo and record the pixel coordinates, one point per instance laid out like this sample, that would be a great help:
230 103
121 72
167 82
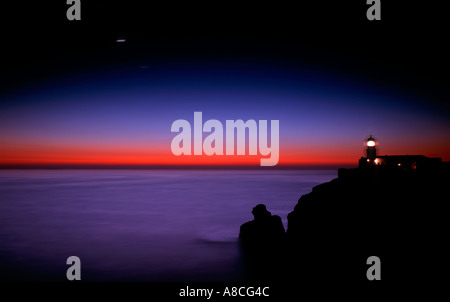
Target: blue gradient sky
125 112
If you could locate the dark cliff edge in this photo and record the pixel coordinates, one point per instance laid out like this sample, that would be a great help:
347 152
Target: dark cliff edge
397 215
394 214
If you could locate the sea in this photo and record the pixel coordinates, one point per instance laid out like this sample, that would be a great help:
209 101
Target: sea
137 225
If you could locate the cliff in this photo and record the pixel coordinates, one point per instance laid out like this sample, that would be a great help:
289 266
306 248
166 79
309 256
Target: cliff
394 214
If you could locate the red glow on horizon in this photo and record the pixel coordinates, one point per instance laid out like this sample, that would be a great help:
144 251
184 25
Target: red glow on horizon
161 155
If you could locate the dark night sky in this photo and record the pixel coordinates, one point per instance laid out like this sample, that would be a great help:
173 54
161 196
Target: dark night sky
410 37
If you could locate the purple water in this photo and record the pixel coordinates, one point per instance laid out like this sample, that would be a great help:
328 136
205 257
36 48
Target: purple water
137 225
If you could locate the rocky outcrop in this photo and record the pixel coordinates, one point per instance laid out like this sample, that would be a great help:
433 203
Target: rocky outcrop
396 215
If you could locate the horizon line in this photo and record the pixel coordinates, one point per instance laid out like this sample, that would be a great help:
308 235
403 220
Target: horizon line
172 167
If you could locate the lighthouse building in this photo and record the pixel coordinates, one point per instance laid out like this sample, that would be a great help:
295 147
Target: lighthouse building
404 162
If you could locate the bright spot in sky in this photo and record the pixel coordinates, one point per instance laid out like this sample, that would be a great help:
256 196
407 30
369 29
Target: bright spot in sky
120 40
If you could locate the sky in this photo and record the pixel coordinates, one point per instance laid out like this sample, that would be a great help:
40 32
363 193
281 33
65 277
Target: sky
91 100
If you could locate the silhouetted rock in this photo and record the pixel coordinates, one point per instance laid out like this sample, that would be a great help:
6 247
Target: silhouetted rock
262 241
265 229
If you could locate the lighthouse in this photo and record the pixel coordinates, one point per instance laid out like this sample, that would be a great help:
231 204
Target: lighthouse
394 162
371 150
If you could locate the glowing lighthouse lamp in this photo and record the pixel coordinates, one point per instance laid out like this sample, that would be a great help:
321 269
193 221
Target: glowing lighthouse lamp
371 142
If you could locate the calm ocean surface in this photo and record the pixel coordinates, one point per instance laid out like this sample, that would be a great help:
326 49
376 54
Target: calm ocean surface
137 225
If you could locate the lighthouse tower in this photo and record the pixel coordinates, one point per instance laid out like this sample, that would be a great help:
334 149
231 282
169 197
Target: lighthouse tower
371 150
